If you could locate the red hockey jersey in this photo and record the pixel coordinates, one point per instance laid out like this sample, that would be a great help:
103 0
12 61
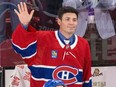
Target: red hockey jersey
48 58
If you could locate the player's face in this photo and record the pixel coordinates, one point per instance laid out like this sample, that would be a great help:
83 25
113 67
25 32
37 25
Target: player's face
68 23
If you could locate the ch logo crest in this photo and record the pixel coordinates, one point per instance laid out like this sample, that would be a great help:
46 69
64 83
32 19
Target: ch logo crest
66 73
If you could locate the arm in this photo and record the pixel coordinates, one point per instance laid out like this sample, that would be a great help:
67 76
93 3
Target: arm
24 41
87 80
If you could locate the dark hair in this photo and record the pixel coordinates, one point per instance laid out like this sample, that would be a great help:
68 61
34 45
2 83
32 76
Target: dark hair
66 9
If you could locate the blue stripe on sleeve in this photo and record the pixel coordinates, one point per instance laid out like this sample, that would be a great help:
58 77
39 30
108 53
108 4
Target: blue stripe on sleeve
89 84
26 52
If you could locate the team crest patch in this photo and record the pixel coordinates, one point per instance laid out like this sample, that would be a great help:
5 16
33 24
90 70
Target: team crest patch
54 53
69 75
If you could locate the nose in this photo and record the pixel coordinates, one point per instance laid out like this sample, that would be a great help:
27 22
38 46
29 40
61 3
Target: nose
71 22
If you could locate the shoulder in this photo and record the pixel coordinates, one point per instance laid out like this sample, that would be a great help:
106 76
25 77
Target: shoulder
82 40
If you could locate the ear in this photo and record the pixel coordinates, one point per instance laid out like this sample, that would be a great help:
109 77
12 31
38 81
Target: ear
58 21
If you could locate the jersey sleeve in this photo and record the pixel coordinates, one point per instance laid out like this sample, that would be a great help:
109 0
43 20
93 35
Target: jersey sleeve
24 42
87 68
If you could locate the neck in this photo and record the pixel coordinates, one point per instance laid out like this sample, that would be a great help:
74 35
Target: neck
66 35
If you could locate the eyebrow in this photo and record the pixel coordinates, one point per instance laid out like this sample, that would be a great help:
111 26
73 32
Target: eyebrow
69 17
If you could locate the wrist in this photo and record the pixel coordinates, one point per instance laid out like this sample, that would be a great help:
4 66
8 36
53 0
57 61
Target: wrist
25 26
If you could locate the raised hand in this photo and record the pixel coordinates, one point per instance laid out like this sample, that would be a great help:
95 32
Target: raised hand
23 14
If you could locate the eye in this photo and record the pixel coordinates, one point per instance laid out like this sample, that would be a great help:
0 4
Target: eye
67 19
75 20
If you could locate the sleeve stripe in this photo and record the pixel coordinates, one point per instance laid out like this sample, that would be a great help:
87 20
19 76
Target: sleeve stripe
88 83
23 48
88 80
26 52
27 57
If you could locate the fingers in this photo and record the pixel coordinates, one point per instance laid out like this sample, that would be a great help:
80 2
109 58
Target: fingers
16 12
22 7
32 12
25 7
19 8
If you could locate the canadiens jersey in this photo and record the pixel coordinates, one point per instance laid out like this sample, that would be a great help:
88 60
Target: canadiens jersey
49 58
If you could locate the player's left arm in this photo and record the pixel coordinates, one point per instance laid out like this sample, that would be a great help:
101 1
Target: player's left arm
87 76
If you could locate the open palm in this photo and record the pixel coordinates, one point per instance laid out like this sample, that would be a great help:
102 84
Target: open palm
23 13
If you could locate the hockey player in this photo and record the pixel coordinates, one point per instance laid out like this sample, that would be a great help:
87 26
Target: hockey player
53 54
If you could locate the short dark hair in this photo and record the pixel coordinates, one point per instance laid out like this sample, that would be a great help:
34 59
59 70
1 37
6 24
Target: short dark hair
66 9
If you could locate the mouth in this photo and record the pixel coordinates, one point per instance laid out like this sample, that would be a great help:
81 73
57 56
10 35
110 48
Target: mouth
71 27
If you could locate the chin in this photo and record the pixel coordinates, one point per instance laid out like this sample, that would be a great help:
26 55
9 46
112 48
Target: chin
71 32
